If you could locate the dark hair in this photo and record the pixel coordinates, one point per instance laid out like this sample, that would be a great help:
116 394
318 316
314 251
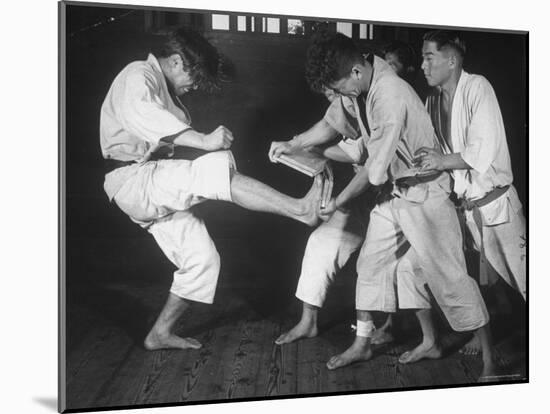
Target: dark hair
405 54
446 38
329 59
200 58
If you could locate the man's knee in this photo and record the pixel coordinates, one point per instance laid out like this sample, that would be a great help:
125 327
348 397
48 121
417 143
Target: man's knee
198 280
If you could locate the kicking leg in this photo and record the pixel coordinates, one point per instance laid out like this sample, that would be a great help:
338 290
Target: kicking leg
255 195
428 348
360 350
306 328
160 336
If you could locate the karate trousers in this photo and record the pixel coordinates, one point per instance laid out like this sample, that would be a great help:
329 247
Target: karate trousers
432 230
159 197
330 246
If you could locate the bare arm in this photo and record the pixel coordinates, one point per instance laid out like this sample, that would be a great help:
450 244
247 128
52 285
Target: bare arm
318 134
358 184
335 153
220 138
430 159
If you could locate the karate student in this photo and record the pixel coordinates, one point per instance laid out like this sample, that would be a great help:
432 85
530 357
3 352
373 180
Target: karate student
142 117
417 214
402 59
334 241
473 147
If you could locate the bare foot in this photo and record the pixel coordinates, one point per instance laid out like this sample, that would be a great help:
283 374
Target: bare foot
155 341
381 336
310 203
489 372
422 351
301 330
358 351
473 347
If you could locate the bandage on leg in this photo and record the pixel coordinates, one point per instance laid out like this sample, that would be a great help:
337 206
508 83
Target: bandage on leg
364 328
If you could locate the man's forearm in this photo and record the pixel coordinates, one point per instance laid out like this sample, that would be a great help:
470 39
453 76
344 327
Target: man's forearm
336 153
454 162
358 185
188 138
318 134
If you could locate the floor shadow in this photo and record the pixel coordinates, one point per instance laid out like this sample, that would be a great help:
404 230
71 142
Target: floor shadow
116 307
49 402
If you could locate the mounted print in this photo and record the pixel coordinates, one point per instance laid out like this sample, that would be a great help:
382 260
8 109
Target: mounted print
198 267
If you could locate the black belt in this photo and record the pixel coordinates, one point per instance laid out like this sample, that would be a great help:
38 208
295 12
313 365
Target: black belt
406 182
112 164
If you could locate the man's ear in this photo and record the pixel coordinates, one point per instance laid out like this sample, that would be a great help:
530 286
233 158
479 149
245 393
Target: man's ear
453 61
175 60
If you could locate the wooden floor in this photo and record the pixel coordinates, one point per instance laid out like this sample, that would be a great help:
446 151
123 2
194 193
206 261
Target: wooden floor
107 365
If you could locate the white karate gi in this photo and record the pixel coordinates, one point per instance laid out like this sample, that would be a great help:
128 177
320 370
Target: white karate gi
421 217
332 243
477 133
137 113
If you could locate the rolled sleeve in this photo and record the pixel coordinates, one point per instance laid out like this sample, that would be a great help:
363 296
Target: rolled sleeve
355 149
143 113
342 119
486 127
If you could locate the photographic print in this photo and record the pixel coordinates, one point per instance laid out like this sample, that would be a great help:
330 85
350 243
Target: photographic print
264 206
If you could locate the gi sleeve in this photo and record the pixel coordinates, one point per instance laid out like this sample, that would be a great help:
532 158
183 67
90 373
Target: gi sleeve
144 114
486 127
388 121
341 116
355 149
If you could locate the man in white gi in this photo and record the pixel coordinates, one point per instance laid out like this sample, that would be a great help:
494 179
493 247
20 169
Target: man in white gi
142 121
418 213
470 129
331 245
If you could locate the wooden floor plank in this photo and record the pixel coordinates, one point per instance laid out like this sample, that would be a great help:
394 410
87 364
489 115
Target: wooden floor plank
94 366
108 366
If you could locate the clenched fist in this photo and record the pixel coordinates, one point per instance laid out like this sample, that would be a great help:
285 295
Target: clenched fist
220 139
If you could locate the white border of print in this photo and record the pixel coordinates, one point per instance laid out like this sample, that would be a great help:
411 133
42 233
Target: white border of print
29 203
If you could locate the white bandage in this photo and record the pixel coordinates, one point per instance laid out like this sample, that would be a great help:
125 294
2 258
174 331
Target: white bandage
364 329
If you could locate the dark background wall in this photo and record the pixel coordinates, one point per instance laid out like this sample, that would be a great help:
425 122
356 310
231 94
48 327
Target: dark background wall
268 100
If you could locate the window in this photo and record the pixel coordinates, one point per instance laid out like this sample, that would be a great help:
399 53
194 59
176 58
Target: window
241 23
220 21
270 25
296 27
363 34
344 28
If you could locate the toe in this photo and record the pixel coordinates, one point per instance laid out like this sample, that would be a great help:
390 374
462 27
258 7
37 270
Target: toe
331 364
193 343
404 358
280 340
